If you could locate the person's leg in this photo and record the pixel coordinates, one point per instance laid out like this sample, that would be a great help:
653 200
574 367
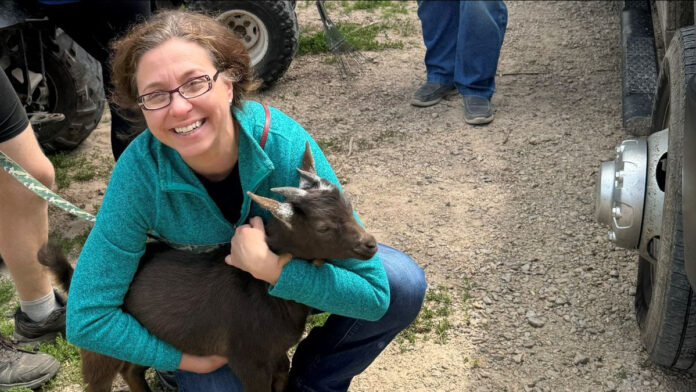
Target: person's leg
24 217
221 380
23 229
481 28
331 355
439 21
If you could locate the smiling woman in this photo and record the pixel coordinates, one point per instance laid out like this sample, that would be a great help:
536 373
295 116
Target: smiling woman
198 126
185 180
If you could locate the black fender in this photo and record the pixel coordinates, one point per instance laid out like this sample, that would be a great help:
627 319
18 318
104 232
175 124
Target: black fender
689 183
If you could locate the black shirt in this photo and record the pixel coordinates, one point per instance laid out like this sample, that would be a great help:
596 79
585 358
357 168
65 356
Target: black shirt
227 194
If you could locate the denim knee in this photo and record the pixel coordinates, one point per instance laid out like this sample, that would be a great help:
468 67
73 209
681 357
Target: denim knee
407 286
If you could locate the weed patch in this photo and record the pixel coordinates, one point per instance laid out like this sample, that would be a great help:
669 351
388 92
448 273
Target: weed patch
362 37
7 302
71 167
431 323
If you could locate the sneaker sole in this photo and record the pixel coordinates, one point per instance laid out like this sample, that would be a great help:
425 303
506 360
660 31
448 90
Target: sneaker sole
423 104
35 383
23 340
479 120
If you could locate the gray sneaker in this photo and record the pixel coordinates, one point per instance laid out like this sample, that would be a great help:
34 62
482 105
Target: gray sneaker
431 93
24 369
28 331
477 110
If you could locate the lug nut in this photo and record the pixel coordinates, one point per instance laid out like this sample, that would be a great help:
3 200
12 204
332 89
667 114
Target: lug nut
616 212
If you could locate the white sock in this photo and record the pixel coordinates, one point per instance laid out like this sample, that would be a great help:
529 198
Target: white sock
39 309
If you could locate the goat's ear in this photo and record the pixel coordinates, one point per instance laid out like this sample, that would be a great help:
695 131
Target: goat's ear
308 160
308 180
290 193
282 211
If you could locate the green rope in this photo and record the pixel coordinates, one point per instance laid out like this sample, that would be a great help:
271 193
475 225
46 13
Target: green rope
35 186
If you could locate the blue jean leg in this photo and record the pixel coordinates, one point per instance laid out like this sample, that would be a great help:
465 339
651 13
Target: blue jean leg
482 26
439 21
329 358
331 355
463 41
221 380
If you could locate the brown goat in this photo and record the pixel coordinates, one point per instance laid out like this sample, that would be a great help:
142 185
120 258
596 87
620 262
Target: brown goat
203 306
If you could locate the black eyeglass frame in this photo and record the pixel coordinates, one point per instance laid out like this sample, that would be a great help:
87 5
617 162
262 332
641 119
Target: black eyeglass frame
141 98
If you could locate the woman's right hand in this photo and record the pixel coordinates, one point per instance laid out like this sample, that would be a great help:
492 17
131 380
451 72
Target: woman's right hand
199 364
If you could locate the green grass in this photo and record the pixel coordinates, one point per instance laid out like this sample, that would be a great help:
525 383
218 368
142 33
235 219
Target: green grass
70 366
431 323
71 167
362 37
7 302
316 320
387 7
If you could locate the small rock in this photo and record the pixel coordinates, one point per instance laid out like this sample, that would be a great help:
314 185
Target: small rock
536 322
517 358
580 359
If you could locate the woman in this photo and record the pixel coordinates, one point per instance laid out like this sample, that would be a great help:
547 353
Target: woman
184 180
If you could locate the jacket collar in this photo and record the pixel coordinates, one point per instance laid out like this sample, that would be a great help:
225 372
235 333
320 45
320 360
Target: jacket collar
254 164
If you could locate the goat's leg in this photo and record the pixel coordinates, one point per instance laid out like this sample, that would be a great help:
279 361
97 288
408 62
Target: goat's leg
281 374
98 371
134 375
255 375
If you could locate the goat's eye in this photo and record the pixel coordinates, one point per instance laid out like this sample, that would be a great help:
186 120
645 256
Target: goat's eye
323 229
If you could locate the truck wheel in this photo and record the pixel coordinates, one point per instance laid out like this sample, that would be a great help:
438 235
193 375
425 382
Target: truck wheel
665 304
268 30
75 89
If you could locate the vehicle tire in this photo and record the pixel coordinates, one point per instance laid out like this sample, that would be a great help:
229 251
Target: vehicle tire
665 304
268 29
76 89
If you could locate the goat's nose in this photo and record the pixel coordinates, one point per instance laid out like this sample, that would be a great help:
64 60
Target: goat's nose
370 243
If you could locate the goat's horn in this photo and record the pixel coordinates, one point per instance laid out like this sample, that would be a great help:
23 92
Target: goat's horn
290 192
308 160
282 211
307 179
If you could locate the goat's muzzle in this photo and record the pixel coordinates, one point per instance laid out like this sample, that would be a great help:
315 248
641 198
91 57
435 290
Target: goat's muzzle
367 247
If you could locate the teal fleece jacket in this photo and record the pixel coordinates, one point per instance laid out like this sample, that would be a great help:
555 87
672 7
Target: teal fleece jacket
153 191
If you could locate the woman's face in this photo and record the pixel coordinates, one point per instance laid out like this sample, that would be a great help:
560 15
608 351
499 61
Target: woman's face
190 126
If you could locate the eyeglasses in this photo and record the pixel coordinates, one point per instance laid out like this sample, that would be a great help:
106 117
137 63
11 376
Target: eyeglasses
193 88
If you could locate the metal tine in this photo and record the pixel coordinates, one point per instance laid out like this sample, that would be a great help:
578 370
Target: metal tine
338 45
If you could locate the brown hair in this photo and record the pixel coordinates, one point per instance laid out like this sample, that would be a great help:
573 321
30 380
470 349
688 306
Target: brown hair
227 53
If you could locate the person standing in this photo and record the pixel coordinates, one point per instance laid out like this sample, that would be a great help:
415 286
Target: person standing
23 229
462 41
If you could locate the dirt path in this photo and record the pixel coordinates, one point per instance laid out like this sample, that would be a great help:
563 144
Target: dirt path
502 216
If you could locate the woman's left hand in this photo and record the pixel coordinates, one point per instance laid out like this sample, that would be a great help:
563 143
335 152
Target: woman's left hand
249 252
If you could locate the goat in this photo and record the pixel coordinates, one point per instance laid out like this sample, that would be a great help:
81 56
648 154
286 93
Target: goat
203 306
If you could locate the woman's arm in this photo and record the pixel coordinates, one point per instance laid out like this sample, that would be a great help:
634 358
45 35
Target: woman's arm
350 287
105 269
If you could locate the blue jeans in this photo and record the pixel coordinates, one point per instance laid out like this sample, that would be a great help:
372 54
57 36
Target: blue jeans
463 41
331 355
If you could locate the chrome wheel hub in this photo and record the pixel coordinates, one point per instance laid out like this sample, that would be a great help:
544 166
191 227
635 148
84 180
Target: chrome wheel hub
629 194
250 30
